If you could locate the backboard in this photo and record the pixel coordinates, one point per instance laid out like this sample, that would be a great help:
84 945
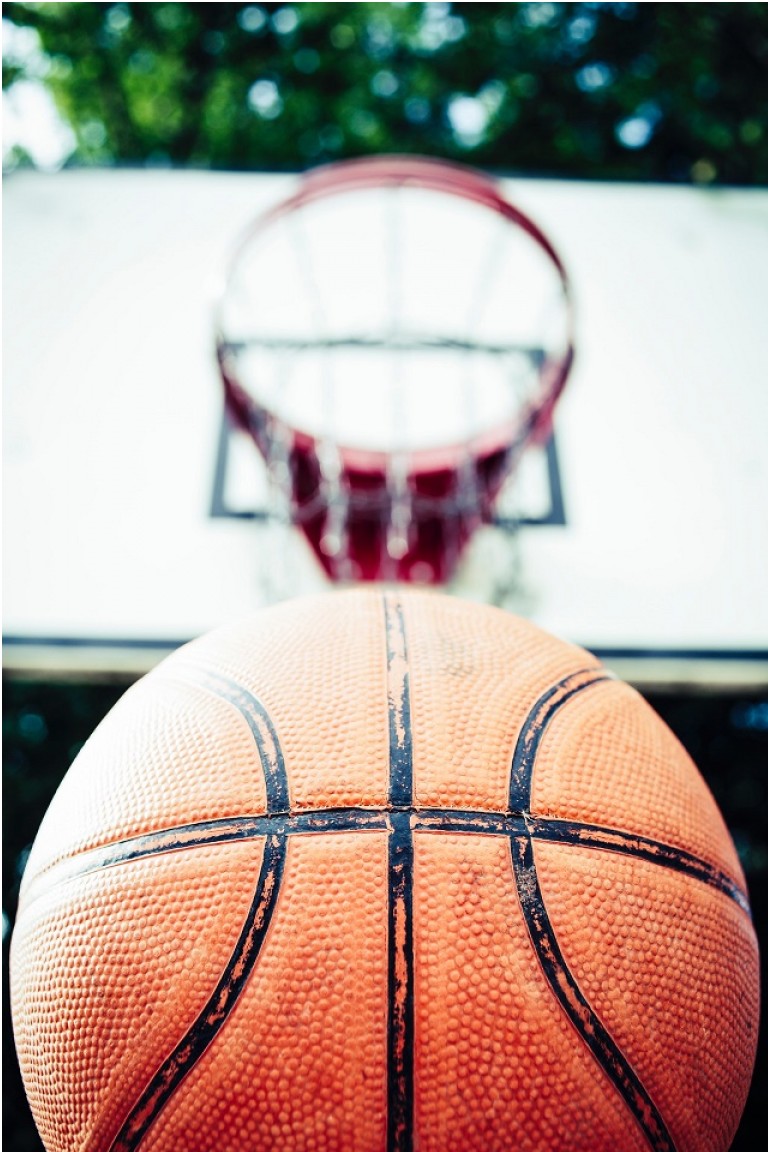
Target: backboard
137 517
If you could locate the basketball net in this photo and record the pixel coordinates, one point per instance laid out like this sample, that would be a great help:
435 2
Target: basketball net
394 336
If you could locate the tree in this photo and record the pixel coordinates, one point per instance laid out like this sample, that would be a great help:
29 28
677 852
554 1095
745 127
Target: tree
608 91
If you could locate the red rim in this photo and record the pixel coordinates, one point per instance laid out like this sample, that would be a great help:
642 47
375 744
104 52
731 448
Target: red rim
441 522
450 179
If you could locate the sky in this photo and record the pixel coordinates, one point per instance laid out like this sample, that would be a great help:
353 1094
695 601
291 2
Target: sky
30 118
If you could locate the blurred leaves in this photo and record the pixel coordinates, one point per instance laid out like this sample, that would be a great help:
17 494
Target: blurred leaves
627 91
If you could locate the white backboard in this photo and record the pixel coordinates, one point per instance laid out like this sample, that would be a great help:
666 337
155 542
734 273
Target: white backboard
133 516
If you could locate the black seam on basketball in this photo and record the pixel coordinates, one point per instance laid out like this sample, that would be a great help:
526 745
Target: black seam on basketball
529 738
400 961
263 730
246 952
558 975
595 836
398 708
585 1020
400 986
216 1012
228 829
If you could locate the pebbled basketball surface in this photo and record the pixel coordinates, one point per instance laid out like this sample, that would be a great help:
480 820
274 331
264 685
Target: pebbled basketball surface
384 871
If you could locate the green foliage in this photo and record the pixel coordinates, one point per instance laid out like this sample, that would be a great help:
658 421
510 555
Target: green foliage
627 91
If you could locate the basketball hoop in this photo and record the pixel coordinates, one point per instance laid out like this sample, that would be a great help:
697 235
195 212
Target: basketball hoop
393 336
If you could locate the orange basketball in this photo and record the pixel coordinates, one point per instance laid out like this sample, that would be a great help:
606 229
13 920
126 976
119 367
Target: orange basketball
384 871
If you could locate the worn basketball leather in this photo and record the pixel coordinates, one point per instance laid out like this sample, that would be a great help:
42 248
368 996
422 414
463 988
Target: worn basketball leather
384 871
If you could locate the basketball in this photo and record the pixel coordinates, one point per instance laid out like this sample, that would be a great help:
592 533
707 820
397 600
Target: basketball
384 870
